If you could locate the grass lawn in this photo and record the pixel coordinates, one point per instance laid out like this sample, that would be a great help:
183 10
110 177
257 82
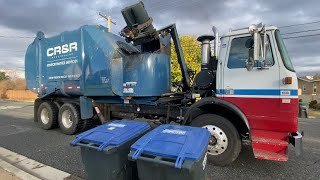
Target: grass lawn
314 113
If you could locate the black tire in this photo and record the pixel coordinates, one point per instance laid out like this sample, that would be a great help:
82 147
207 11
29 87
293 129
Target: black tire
48 115
90 123
58 104
233 138
75 124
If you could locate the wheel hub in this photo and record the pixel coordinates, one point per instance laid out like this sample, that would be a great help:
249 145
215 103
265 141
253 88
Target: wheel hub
44 116
218 141
66 119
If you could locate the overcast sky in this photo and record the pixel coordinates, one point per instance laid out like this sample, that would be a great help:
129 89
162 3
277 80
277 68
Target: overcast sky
24 18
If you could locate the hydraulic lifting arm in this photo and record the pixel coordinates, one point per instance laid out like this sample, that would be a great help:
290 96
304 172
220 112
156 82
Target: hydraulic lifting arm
177 46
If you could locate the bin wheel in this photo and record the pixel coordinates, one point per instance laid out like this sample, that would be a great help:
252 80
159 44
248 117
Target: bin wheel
69 119
225 143
48 115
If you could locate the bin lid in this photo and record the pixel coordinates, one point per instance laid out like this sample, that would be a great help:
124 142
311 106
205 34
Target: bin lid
181 142
303 103
114 133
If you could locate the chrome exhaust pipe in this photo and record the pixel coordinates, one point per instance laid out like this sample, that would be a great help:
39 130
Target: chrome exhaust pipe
216 41
206 50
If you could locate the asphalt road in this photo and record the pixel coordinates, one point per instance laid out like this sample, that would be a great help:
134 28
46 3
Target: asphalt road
20 134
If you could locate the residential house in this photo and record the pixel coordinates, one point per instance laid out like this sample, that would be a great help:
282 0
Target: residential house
309 88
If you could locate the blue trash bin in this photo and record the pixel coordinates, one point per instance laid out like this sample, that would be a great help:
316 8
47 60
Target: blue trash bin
105 149
172 152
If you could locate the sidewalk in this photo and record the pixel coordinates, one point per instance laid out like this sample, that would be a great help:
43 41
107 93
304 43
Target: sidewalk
15 166
7 175
10 172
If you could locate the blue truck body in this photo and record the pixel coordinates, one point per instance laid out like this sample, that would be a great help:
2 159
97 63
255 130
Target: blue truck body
92 62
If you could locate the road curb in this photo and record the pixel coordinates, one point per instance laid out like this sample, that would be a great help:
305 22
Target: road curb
16 171
23 165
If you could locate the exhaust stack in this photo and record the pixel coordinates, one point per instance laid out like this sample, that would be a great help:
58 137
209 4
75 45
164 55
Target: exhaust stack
216 41
206 50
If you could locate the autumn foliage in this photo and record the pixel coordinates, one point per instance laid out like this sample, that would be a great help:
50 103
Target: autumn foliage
11 84
192 55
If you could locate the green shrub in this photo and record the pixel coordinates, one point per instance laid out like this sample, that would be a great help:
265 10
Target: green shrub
317 106
313 103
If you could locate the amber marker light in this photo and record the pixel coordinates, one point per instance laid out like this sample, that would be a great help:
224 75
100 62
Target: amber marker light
287 80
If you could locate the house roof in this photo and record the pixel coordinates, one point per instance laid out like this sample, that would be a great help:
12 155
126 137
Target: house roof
315 78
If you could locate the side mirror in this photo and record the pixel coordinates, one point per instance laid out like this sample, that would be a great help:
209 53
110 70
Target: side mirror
265 50
253 30
260 46
250 62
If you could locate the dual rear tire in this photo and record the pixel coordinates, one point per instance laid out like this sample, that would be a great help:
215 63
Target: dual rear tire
48 115
67 116
69 119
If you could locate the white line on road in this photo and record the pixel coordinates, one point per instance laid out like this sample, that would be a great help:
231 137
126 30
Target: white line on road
9 107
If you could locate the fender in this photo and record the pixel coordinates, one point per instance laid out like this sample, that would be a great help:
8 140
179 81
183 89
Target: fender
215 101
86 107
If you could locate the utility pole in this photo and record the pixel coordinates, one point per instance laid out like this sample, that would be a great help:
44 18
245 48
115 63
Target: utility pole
109 21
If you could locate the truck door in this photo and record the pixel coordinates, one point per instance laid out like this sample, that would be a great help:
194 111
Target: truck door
255 92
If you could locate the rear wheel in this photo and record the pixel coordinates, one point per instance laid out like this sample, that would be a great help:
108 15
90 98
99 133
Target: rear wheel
48 115
90 123
69 119
225 143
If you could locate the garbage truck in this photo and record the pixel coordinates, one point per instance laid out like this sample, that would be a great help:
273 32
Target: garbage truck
246 90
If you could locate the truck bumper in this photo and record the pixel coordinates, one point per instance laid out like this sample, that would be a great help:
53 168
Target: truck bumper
296 141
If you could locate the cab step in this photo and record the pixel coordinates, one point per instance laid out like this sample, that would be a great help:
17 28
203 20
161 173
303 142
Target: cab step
270 145
268 155
269 141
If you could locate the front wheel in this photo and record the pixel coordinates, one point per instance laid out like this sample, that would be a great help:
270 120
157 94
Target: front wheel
225 143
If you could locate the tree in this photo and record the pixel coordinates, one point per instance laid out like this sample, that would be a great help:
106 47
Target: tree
3 76
192 55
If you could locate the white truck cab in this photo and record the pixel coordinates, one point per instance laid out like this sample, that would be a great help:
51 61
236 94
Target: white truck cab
255 73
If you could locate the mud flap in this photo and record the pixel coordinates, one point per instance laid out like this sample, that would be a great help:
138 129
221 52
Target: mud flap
86 107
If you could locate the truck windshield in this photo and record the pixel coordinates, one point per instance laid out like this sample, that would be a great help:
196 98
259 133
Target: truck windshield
283 51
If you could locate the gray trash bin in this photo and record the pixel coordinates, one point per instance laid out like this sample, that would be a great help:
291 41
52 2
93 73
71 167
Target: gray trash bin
303 109
105 149
172 152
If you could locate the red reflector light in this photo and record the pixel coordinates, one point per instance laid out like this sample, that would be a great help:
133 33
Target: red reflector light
287 80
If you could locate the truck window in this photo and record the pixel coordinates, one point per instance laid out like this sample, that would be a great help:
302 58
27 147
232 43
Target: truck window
283 51
239 54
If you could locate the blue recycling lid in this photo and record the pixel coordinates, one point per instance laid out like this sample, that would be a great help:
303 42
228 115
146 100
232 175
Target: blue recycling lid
180 142
114 133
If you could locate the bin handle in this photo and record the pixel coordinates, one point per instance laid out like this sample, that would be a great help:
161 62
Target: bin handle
78 139
180 159
100 148
105 144
182 153
157 160
140 150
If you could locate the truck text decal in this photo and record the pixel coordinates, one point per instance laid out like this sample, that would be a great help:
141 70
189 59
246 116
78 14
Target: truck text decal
117 125
66 48
174 131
